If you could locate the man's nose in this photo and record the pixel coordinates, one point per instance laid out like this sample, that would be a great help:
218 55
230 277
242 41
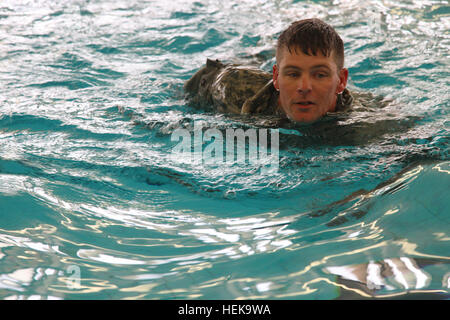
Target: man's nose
304 84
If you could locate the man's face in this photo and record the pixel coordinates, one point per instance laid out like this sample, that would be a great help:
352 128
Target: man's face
308 84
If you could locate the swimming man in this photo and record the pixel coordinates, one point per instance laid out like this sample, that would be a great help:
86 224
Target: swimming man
308 81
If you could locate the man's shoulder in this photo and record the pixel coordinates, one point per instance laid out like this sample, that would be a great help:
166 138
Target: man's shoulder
344 100
359 100
263 102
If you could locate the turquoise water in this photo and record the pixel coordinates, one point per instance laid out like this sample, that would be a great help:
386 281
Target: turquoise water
92 206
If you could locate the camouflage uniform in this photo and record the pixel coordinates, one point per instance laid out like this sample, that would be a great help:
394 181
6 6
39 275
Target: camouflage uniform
240 90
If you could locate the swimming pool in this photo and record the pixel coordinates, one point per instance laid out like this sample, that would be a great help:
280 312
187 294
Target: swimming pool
93 206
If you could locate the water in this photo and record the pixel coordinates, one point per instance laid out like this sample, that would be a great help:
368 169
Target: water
92 206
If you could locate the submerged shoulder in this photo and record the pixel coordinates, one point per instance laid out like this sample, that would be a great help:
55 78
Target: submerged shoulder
358 101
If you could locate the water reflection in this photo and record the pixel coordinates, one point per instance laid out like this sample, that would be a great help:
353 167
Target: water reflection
378 279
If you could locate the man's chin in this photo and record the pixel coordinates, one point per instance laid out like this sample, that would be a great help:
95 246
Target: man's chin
304 117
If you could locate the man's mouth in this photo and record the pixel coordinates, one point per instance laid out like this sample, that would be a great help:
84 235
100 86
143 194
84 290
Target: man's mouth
304 104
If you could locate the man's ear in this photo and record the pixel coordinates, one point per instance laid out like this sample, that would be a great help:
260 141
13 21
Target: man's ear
343 77
275 77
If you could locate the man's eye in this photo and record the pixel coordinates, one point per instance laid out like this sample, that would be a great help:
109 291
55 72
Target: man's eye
321 75
292 75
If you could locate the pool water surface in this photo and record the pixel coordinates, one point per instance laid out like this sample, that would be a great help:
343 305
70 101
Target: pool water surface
94 204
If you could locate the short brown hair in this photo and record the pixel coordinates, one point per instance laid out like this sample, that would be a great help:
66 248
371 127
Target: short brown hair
310 36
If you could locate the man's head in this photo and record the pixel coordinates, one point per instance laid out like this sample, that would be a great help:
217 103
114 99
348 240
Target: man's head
309 72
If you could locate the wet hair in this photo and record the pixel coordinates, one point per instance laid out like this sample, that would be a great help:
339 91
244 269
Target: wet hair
312 36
